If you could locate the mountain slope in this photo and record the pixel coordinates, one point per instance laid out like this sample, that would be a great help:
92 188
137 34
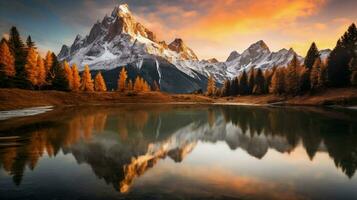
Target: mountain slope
119 40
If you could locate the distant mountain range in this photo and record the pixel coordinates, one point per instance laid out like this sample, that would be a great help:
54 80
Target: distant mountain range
119 40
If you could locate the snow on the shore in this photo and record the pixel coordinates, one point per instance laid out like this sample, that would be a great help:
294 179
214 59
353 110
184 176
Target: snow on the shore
24 112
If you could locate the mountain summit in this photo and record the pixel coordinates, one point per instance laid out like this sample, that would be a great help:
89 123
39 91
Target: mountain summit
119 40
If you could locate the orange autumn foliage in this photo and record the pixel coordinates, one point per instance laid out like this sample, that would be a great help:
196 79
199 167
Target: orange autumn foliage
99 83
69 75
122 80
76 80
7 61
87 82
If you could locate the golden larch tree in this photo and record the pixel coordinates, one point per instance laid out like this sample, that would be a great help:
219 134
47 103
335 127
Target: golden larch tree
48 61
31 66
69 74
41 72
292 84
211 86
145 86
7 61
137 84
277 85
87 82
122 80
76 80
99 83
315 73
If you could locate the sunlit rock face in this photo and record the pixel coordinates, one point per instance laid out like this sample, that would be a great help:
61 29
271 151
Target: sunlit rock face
119 40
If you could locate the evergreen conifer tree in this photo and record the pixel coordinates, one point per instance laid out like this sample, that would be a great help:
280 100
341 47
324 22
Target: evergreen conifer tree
259 82
312 54
292 79
58 77
338 71
18 50
315 73
235 86
323 80
226 88
251 80
277 85
243 84
268 75
30 43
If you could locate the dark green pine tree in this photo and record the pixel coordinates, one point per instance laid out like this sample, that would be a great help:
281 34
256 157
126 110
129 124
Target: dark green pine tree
243 84
235 86
311 56
259 82
251 81
59 80
18 49
268 75
30 43
338 71
226 88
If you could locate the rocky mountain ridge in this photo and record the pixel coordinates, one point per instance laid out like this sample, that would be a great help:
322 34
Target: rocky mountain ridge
119 40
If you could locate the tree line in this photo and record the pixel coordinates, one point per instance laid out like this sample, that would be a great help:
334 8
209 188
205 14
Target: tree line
314 74
21 66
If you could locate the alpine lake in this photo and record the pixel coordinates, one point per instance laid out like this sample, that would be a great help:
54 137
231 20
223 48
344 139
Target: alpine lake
152 151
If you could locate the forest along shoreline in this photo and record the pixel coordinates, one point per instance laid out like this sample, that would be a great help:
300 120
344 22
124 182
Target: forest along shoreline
11 99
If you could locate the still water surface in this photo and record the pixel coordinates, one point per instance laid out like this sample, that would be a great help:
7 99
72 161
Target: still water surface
180 152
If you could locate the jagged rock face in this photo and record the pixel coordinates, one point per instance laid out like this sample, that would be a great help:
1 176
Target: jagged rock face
234 55
117 29
179 47
118 40
213 60
65 51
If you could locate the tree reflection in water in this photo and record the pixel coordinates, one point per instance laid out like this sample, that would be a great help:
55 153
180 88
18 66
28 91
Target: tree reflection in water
122 143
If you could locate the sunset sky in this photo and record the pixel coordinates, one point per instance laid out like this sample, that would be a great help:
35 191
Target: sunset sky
211 28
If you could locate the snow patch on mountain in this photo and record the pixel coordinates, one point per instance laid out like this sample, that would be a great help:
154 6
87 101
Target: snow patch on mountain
119 40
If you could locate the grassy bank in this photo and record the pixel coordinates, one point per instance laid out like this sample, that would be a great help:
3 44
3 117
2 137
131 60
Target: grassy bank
17 98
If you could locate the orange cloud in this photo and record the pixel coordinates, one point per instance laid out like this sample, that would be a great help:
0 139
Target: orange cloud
245 17
208 22
214 29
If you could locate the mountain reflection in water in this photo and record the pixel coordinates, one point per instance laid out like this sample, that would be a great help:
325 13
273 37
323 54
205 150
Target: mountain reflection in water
122 143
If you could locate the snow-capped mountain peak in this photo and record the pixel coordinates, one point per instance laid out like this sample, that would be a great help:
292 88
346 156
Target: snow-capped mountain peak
119 40
125 40
257 48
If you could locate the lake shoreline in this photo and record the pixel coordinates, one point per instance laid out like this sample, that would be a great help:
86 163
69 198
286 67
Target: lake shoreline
13 99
